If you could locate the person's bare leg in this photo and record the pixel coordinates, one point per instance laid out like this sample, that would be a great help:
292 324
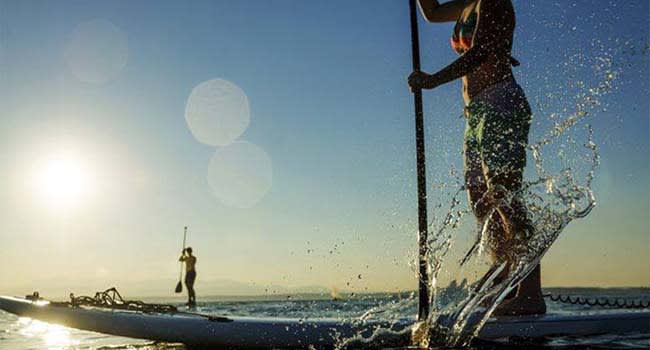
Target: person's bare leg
476 184
499 244
192 294
529 298
498 239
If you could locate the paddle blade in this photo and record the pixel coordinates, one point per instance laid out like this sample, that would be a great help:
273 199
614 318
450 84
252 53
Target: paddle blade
179 287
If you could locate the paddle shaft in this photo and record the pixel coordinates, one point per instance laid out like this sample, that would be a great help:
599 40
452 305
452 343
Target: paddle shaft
423 270
180 277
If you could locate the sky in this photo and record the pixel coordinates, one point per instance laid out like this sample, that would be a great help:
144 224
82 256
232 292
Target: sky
281 134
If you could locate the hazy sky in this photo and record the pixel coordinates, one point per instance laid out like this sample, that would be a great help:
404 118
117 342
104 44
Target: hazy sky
304 174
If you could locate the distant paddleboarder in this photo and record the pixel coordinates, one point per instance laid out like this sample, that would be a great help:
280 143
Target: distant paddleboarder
497 124
190 274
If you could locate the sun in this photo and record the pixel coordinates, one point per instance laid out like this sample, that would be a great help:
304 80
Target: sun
61 180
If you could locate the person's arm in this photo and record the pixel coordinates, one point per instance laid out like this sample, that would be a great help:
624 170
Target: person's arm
183 257
435 12
492 35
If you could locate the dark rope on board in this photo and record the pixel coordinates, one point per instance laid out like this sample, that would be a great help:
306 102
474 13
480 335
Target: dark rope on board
599 302
112 299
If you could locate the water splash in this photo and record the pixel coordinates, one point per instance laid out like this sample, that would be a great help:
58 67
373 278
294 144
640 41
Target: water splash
557 190
554 197
564 161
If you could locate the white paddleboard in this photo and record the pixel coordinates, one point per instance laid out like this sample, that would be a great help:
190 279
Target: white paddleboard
249 332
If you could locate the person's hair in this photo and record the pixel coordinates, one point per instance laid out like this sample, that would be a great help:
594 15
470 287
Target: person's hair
189 250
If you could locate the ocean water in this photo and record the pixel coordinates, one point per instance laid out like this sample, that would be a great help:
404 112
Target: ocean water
26 334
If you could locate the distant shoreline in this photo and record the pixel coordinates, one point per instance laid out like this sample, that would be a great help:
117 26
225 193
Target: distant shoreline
355 296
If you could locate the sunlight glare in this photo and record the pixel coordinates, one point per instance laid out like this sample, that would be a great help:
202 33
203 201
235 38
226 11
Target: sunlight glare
61 180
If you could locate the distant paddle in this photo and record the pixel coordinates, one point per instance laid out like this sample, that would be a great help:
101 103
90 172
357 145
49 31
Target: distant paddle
179 286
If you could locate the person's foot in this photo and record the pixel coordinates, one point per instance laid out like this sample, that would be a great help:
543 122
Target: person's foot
521 305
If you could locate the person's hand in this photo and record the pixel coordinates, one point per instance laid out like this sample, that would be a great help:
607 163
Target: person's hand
420 80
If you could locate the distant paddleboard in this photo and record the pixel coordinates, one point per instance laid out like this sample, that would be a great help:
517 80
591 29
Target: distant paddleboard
249 332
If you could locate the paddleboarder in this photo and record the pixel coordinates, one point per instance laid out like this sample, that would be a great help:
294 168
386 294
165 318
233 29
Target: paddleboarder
498 119
190 274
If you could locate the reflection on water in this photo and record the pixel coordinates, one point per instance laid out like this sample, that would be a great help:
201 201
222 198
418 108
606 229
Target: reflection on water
51 335
27 334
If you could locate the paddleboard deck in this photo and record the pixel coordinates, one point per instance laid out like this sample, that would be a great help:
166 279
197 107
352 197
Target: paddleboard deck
251 333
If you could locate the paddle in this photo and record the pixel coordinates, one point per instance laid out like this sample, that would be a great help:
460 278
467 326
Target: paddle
423 288
179 286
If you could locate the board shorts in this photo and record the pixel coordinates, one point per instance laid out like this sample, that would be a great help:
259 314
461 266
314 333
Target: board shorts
190 276
496 132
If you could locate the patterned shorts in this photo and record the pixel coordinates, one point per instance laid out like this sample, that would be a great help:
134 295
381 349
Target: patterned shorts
496 133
